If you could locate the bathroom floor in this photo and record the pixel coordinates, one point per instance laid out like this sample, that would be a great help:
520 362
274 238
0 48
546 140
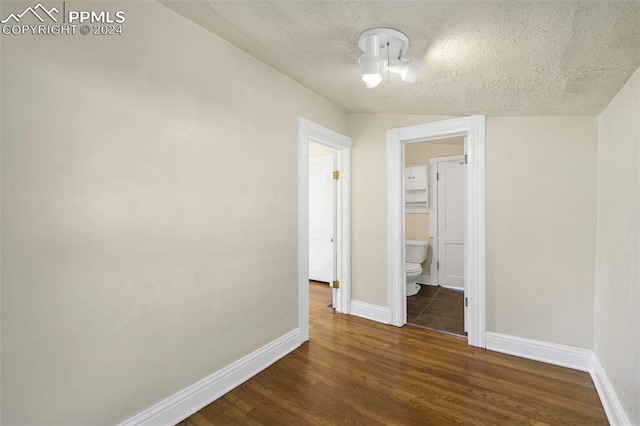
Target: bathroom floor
437 308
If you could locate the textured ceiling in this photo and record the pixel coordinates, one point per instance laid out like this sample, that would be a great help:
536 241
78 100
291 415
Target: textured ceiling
495 58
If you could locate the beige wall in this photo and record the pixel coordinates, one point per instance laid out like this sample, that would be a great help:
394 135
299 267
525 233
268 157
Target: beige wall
540 219
149 214
617 297
369 201
417 225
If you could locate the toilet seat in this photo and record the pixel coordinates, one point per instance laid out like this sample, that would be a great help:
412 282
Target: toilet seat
413 268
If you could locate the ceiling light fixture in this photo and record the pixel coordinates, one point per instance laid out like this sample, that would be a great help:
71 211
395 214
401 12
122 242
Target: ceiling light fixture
384 47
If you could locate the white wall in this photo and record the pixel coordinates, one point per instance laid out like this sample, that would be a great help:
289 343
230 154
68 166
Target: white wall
541 218
617 294
149 214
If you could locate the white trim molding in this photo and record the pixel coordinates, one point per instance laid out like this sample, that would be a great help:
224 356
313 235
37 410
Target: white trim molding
308 131
370 312
453 287
551 353
396 239
565 356
607 393
184 403
473 127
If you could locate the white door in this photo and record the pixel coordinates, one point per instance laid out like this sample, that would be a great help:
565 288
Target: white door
321 218
451 222
466 305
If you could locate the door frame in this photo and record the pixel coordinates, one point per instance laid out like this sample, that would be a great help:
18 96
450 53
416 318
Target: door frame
473 127
308 131
433 204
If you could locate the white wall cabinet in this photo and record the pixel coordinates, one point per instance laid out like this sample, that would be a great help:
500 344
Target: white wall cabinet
416 185
416 177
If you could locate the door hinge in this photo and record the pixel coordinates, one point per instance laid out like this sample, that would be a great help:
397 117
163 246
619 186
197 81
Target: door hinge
465 159
437 176
466 301
335 284
336 174
438 266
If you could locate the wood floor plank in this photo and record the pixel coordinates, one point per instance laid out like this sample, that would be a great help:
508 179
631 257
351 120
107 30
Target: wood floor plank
358 372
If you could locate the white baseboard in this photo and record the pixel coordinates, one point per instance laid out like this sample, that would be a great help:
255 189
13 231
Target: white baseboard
551 353
369 311
191 399
608 396
565 356
450 287
424 279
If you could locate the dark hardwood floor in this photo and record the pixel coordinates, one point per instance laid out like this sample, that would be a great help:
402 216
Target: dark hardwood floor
355 371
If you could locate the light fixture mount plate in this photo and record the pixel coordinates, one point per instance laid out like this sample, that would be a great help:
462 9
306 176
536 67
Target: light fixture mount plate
397 42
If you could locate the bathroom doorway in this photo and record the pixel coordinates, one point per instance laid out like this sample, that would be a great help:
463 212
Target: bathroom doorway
473 128
434 234
332 238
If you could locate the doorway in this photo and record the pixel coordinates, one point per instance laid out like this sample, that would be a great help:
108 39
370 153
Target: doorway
473 128
322 213
434 225
310 132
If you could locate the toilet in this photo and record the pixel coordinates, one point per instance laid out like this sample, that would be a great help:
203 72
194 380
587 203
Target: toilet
415 254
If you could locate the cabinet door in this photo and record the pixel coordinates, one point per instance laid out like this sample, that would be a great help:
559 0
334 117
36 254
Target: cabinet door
408 178
419 177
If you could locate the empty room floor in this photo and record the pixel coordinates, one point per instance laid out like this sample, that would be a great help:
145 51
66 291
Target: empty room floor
437 308
356 371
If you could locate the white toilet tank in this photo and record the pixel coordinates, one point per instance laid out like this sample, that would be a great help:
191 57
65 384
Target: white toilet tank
416 251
